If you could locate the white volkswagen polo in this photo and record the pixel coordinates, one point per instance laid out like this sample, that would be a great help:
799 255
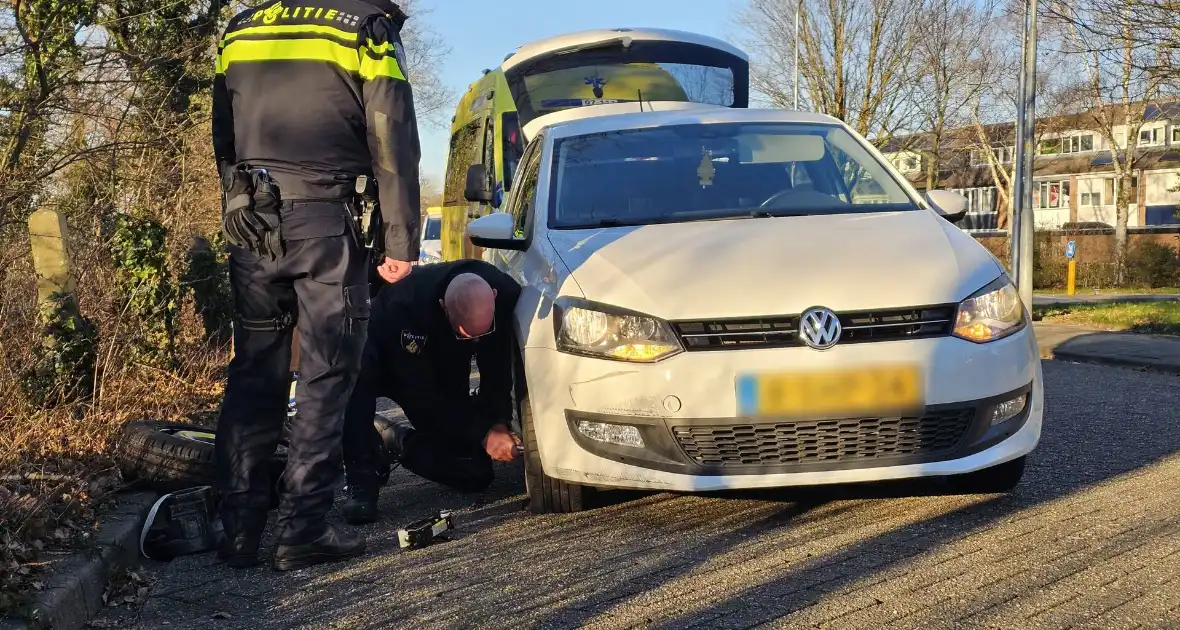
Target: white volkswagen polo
723 299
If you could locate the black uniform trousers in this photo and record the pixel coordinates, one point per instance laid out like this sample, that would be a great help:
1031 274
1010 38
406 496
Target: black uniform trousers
430 452
320 285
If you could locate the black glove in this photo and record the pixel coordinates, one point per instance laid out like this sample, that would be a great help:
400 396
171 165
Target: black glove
251 214
238 186
256 231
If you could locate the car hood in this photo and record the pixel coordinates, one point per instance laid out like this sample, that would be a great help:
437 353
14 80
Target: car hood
777 266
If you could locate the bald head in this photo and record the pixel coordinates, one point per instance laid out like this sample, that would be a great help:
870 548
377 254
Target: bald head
470 303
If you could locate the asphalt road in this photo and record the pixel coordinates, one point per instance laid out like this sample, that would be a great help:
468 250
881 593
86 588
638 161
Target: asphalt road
1090 539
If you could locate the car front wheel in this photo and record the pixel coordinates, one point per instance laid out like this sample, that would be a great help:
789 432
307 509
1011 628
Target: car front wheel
1000 478
546 494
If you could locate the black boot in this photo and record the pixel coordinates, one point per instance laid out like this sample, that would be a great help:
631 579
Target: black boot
243 536
332 546
361 507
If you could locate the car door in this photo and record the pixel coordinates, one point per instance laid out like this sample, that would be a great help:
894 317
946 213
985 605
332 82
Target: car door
520 205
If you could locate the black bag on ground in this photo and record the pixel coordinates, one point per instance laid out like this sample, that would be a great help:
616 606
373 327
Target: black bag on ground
182 523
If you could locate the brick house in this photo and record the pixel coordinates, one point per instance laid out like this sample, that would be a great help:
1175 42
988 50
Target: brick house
1073 176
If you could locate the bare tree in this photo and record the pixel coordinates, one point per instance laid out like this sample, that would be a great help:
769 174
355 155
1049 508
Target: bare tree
426 50
953 38
990 134
1121 84
1142 25
856 58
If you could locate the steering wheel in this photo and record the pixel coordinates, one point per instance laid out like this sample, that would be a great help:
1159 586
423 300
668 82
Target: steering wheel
775 197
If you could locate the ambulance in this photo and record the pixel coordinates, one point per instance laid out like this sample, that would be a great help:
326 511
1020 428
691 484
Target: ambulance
576 75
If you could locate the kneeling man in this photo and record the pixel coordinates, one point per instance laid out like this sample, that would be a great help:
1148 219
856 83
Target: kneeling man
423 332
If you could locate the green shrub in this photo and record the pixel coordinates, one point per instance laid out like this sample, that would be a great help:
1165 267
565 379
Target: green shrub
1152 264
207 278
1049 263
139 251
66 354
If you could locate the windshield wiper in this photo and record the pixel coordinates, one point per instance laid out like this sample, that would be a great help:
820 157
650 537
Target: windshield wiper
760 213
604 223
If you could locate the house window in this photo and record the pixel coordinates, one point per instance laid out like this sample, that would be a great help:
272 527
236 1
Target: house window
1096 192
979 200
1078 144
1004 155
1175 134
1051 195
1151 137
906 164
1049 147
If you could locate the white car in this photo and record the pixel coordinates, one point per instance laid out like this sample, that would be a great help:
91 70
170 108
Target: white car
431 249
725 299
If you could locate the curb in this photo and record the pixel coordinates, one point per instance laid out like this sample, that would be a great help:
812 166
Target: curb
1095 359
73 595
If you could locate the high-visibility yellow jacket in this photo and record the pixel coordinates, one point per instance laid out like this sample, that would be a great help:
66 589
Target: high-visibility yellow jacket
315 91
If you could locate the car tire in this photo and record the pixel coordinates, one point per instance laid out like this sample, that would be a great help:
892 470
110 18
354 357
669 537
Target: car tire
997 479
546 494
170 456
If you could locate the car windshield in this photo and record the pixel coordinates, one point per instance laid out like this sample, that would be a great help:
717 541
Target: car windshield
433 230
628 71
696 172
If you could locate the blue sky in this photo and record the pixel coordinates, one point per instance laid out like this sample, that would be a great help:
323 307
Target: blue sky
482 33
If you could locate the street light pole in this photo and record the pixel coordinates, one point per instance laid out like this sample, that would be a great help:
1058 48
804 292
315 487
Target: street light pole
1022 222
798 7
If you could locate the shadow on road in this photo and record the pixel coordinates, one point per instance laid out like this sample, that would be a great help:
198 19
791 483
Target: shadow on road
1090 494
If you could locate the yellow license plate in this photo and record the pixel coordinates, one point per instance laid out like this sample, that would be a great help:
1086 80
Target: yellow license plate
869 391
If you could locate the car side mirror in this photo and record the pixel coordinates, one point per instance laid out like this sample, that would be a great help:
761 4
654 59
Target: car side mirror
950 205
477 184
495 231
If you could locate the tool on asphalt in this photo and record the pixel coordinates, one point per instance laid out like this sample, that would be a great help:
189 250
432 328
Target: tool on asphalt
425 532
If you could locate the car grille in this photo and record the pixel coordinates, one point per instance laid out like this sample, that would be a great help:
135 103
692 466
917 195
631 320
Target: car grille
824 441
782 331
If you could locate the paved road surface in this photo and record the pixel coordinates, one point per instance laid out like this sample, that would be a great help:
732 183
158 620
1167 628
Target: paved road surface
1091 539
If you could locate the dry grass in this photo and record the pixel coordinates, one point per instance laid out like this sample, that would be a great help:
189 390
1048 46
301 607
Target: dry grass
56 470
1142 317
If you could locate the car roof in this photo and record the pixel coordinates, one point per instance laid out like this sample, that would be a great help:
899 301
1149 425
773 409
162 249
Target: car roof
580 38
695 116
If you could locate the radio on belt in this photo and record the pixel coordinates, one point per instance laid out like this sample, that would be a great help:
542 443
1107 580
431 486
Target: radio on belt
424 532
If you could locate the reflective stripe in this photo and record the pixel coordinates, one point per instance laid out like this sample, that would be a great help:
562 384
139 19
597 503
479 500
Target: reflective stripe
288 29
386 66
290 50
379 49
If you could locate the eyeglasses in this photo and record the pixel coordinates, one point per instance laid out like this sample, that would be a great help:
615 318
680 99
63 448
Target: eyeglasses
462 337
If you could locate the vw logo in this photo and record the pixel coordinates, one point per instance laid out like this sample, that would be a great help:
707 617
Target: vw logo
819 328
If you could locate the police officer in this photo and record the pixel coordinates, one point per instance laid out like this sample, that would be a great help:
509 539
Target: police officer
308 96
423 334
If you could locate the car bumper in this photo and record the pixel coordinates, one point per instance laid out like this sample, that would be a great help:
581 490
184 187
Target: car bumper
685 408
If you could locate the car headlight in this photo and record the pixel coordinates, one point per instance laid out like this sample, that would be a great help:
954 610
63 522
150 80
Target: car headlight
610 333
992 313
